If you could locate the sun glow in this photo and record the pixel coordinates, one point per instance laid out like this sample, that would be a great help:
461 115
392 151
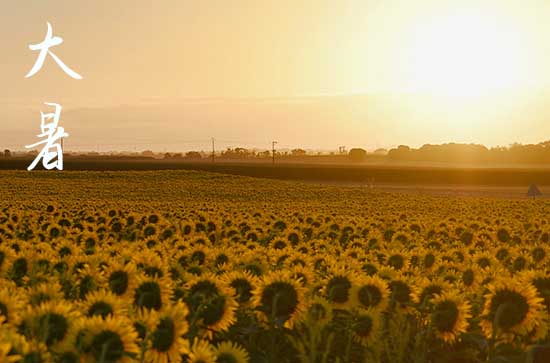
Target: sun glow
467 55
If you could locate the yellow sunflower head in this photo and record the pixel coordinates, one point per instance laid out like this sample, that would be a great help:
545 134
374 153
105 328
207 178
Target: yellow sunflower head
8 353
51 323
228 352
338 288
151 292
201 352
371 292
365 326
243 282
144 322
318 311
211 303
279 299
49 291
512 307
166 342
402 293
429 288
112 339
27 350
120 279
541 281
103 303
398 260
11 305
449 316
302 274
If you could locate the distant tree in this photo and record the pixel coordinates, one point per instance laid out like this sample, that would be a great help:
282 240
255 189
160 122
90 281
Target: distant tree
381 151
264 154
193 155
237 153
357 154
298 152
148 153
7 153
403 152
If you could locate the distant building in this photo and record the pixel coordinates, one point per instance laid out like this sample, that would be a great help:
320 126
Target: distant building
533 191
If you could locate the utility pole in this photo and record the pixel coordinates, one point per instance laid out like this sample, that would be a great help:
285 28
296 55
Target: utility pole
213 150
273 143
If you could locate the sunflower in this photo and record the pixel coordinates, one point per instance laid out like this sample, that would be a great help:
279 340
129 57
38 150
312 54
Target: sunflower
199 255
539 255
254 264
398 260
429 260
540 331
66 248
520 260
51 323
151 292
109 340
511 308
11 304
103 303
228 352
403 294
44 255
151 264
144 322
318 311
302 274
338 287
243 282
120 279
485 260
365 326
27 351
166 341
21 264
449 315
6 257
470 277
88 279
371 292
7 351
211 302
541 281
54 231
428 288
201 352
279 299
47 291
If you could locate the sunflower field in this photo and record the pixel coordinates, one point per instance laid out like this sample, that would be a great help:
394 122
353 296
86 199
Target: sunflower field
179 266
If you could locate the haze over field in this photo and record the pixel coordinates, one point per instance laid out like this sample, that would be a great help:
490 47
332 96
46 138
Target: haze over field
312 73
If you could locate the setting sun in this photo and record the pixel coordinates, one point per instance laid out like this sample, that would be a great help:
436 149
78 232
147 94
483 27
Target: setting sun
467 54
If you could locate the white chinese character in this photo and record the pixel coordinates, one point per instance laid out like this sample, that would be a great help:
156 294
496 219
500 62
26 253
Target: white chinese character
44 49
53 133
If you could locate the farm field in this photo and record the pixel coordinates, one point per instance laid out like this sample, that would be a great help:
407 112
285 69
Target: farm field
191 266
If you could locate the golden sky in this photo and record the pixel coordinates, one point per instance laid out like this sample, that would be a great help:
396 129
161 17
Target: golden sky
312 73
